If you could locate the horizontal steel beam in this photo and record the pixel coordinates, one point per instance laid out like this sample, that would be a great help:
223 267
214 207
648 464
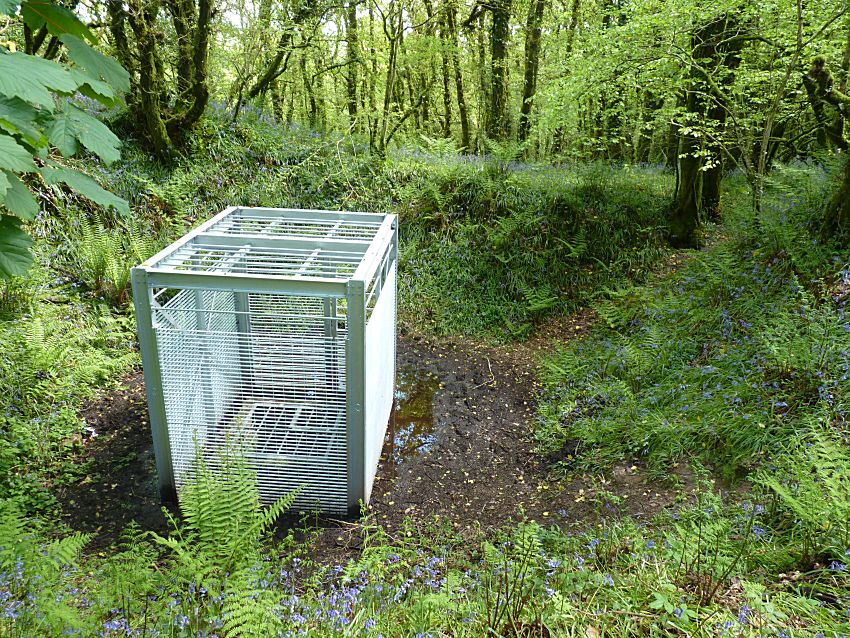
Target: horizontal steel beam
165 252
312 214
297 242
275 284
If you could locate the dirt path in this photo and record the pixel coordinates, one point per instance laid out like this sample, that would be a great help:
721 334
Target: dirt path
459 449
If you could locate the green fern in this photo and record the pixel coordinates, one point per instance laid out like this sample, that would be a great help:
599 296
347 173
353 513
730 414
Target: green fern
223 520
249 611
103 255
814 488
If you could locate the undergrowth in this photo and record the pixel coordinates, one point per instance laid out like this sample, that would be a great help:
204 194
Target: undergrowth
729 358
488 248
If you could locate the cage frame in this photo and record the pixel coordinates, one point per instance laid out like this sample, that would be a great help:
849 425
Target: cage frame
381 251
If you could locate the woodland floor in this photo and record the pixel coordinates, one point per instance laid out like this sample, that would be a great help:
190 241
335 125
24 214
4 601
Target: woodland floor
459 451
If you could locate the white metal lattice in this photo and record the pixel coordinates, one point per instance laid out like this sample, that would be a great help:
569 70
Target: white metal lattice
273 330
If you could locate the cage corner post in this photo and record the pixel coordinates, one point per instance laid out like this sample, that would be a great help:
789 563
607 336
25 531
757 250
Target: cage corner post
142 301
355 361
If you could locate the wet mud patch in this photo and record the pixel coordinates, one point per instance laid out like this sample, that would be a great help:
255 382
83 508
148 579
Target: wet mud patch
479 469
410 432
459 452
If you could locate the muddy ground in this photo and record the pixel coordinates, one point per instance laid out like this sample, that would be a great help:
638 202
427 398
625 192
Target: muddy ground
459 450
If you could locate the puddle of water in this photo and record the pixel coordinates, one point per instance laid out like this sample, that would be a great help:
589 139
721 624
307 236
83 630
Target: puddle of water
411 429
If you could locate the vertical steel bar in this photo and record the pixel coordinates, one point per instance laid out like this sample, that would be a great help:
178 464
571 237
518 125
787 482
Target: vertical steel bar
142 300
207 362
330 332
244 342
355 370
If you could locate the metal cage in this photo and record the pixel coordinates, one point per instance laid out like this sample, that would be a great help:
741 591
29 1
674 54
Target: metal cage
273 330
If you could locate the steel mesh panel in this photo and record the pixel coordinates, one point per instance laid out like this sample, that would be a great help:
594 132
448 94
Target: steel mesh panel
243 258
270 379
247 221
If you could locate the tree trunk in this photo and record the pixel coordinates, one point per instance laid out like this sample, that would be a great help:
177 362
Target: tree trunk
278 101
163 115
498 124
352 58
643 145
149 109
837 219
451 24
559 136
685 216
312 107
369 100
118 31
698 187
533 31
484 72
393 26
447 92
182 18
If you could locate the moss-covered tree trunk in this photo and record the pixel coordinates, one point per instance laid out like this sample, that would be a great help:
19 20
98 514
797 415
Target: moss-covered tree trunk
164 114
715 50
498 123
837 219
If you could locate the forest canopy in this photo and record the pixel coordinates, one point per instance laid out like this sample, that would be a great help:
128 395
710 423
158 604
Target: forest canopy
703 87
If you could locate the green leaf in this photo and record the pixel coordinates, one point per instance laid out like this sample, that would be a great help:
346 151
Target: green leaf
14 156
31 78
18 117
73 124
9 7
19 200
94 88
62 134
84 185
15 255
58 19
96 64
4 183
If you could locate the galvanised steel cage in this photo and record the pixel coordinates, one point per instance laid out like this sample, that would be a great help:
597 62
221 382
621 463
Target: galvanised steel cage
273 330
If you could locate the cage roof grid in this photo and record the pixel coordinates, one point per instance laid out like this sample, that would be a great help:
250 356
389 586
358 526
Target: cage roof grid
281 243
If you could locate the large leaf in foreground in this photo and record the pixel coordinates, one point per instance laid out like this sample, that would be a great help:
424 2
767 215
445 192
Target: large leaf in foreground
15 255
9 7
15 157
18 117
84 185
57 19
18 199
96 64
32 78
73 126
